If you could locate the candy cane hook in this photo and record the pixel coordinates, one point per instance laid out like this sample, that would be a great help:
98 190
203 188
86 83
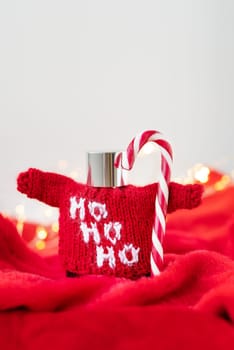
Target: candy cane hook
126 161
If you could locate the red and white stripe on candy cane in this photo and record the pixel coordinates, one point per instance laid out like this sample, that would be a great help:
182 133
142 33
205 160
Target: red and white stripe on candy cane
126 161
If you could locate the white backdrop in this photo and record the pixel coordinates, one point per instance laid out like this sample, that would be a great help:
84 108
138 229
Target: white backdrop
88 75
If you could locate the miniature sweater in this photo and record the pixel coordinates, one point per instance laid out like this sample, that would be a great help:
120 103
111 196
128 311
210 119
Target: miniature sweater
104 230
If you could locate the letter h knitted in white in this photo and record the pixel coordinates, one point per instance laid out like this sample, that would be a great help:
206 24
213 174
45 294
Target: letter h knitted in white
101 257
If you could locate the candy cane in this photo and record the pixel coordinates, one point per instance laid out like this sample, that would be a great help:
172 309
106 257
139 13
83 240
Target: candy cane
126 160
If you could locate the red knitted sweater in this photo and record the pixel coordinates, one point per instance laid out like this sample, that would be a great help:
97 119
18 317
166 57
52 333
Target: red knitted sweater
104 230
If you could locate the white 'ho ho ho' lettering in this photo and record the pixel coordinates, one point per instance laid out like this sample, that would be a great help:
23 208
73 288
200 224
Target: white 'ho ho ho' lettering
101 256
97 210
87 231
74 205
112 227
128 248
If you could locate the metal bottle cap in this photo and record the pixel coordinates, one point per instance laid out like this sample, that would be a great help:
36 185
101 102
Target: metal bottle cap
102 171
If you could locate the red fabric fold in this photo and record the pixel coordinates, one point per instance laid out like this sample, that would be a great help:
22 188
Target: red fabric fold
190 305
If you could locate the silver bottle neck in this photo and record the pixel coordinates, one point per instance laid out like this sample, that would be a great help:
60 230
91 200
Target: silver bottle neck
102 171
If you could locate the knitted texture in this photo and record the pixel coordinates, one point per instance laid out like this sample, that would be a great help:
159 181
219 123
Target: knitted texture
104 230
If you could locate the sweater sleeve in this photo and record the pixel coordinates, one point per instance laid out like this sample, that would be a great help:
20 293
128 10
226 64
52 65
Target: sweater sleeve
184 196
45 186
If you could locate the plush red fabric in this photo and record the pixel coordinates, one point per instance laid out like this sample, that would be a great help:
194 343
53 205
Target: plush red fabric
104 230
189 306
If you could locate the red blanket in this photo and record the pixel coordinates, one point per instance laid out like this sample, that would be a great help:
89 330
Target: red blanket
189 306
